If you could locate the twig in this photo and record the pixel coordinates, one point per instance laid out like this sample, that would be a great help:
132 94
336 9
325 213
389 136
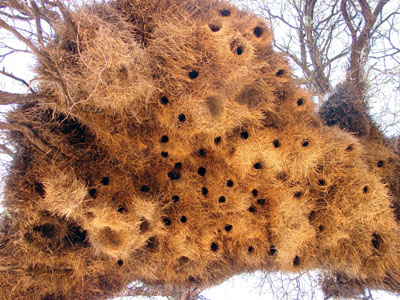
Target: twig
13 98
28 134
17 79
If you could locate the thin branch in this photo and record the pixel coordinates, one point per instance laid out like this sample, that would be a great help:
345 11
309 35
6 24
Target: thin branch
28 134
18 79
21 38
7 151
36 14
13 98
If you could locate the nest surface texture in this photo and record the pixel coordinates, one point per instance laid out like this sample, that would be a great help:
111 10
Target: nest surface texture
174 148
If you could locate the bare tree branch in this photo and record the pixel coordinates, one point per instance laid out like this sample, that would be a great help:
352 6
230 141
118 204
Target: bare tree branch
17 79
28 134
13 98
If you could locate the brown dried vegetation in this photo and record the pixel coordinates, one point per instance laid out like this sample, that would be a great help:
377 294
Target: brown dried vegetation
168 144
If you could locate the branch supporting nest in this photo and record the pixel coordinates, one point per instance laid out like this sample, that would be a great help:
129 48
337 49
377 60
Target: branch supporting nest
14 98
28 134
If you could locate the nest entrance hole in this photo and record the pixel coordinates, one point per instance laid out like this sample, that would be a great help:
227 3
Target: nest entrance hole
46 230
258 31
105 181
174 175
202 171
164 100
225 12
376 241
214 247
204 190
39 188
193 74
228 227
215 27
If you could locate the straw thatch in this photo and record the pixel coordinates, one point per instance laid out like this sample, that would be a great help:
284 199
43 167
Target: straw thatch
170 145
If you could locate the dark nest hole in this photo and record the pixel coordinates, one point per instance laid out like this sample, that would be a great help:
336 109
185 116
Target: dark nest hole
272 250
236 48
204 190
39 188
214 27
250 249
228 227
244 135
105 181
261 201
46 230
120 262
321 228
144 189
121 209
202 152
201 171
321 182
258 31
167 221
225 12
76 132
76 236
175 198
229 183
183 260
280 73
152 243
298 194
365 189
311 216
276 143
193 74
349 148
214 247
93 193
222 199
296 261
379 164
183 219
254 192
300 101
252 209
376 241
144 226
257 166
164 154
164 100
178 166
164 139
305 143
182 118
217 140
174 175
